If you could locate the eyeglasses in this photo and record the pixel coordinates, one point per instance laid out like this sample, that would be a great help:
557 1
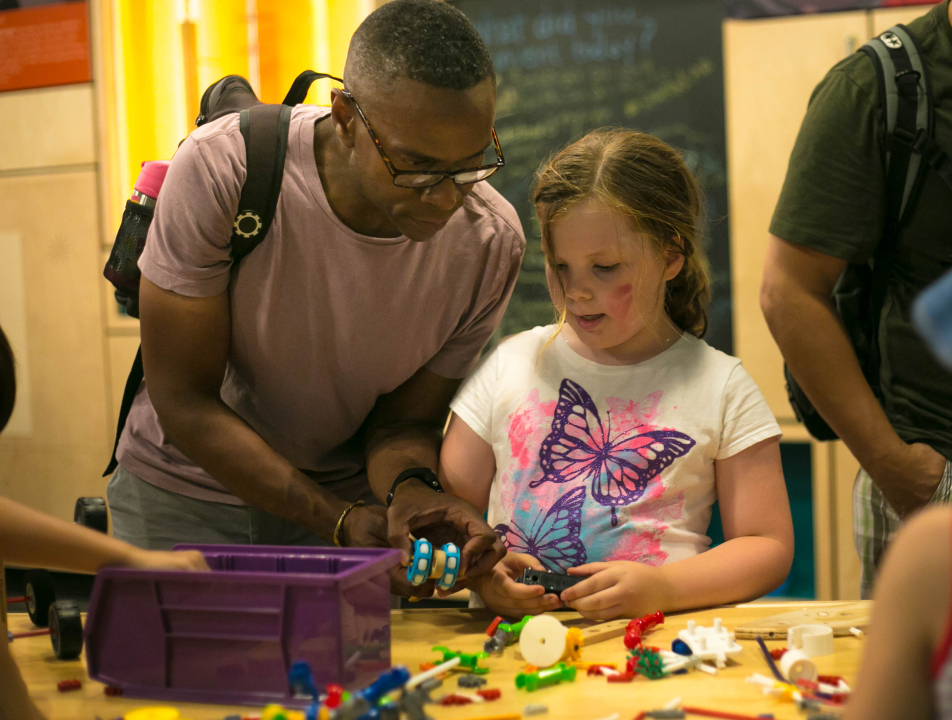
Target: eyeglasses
419 179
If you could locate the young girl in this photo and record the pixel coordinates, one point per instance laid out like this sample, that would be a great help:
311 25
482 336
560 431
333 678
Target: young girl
600 444
32 539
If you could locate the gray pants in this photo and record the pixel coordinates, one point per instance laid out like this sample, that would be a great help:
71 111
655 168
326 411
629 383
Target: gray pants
155 519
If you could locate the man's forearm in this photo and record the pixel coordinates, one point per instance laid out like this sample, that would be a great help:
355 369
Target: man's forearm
815 346
393 449
227 448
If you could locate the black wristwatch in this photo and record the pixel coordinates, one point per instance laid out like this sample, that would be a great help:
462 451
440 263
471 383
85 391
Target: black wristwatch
424 475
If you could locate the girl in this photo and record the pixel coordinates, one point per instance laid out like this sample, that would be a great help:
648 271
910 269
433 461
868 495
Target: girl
600 444
32 539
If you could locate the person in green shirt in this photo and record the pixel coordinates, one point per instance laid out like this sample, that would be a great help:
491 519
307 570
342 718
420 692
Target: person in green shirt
831 212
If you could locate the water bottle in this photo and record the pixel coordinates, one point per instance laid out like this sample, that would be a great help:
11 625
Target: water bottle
149 182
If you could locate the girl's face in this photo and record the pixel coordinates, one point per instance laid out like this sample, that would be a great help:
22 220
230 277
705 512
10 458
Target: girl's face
614 280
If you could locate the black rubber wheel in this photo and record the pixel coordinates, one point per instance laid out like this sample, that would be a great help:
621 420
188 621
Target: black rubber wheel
66 630
39 596
91 512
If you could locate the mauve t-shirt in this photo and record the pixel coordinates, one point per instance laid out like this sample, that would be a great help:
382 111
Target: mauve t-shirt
324 320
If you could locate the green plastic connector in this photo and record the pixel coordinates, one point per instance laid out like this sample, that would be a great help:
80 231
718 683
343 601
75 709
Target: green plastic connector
554 675
467 661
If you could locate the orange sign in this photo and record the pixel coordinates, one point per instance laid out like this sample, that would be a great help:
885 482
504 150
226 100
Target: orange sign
45 45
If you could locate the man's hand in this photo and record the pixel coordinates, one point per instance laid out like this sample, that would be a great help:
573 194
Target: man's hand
504 595
442 518
909 478
616 589
365 526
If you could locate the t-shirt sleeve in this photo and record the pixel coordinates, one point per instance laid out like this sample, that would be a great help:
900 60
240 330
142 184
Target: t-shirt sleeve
833 195
500 270
746 418
188 248
474 400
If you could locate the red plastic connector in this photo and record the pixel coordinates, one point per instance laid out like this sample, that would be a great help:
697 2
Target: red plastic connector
68 685
493 626
624 677
112 691
455 700
639 626
489 693
334 695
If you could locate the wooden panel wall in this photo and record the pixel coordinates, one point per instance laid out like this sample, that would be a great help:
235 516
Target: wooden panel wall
50 241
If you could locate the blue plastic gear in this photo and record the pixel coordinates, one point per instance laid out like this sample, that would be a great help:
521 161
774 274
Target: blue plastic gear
451 568
419 569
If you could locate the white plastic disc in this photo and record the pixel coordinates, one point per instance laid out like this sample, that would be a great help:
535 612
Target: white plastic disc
795 665
542 641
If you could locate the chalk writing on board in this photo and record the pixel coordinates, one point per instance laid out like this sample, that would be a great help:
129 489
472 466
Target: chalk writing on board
567 67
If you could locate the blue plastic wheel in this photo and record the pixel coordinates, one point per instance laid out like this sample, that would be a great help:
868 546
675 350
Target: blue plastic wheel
419 569
451 568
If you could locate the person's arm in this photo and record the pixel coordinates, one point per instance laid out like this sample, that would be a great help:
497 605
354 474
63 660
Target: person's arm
796 301
31 539
910 615
467 464
754 559
404 431
185 342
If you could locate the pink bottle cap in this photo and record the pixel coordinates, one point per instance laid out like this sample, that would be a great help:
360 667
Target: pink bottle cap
151 177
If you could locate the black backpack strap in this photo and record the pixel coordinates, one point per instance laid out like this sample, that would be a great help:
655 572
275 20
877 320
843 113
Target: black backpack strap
302 83
265 131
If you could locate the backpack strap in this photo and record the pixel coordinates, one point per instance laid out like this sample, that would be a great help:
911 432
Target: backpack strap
302 83
265 131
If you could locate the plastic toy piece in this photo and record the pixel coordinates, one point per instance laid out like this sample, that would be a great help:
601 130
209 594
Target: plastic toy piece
490 694
469 661
68 685
66 630
813 640
413 700
277 712
647 662
428 562
152 713
625 677
573 645
543 678
111 691
638 627
543 641
552 582
715 643
335 695
302 679
535 709
455 700
796 665
471 681
91 512
598 668
502 634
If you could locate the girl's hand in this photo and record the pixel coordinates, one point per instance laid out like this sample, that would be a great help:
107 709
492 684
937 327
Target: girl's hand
504 595
189 560
616 589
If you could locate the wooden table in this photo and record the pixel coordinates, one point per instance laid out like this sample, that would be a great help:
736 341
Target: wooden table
416 631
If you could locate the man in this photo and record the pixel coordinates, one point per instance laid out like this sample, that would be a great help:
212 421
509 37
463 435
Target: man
831 212
275 393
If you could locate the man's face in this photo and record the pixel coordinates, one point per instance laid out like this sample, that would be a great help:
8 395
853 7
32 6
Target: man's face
420 127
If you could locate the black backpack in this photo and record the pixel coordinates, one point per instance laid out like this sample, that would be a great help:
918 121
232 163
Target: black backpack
906 100
264 128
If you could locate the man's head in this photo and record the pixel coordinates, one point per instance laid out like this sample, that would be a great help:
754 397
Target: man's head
8 386
426 85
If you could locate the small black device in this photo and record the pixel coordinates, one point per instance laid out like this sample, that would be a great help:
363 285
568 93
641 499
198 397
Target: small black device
423 474
552 582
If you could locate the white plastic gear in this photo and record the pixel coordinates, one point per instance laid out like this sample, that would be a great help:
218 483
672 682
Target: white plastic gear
247 214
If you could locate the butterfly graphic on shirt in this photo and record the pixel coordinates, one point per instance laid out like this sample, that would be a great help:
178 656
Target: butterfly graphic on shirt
553 538
619 466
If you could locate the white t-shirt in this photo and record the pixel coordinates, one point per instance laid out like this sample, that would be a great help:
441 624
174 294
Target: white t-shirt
600 462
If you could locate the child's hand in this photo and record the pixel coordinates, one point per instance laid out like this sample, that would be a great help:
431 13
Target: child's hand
189 560
502 594
616 589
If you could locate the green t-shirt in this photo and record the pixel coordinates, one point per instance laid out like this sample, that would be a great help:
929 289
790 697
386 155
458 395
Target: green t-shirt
833 201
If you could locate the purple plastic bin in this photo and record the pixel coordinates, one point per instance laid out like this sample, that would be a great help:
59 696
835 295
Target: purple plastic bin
230 636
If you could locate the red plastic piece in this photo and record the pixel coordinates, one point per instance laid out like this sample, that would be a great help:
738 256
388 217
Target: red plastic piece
112 691
830 679
489 693
455 700
598 669
334 695
777 653
12 600
624 677
491 630
67 685
31 633
639 626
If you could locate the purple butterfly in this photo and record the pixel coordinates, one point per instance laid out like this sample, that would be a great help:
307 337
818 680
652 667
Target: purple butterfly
580 447
554 538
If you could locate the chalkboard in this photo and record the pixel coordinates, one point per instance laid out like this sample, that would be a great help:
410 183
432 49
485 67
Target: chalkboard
565 67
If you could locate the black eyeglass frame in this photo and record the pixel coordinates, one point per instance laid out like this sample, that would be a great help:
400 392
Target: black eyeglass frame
438 175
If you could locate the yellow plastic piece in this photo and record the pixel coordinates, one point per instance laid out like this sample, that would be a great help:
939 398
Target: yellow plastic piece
323 714
276 712
573 645
153 713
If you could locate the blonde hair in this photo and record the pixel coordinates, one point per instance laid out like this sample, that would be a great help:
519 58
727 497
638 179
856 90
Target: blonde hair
645 179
